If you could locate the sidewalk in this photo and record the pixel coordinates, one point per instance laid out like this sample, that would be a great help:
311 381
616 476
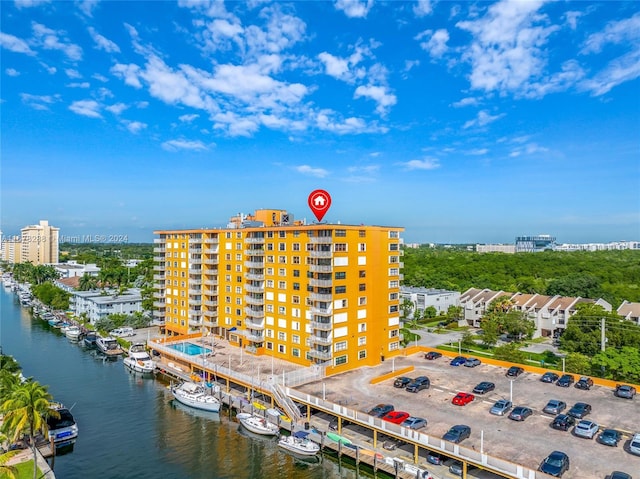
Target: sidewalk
27 455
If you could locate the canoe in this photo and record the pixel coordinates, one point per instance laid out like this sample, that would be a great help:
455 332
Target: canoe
335 437
257 405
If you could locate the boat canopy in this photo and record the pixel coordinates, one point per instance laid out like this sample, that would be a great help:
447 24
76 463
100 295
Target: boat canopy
301 434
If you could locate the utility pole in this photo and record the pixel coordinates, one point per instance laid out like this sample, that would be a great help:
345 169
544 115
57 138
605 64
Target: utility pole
603 338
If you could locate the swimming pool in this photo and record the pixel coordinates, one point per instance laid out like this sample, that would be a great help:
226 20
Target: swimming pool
189 348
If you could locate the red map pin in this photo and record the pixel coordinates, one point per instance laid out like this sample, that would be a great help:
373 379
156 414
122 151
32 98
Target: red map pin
319 202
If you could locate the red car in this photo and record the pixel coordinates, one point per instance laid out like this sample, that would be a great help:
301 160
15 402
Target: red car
462 399
396 417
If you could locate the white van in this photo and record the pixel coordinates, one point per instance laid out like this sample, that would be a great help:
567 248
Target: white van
123 332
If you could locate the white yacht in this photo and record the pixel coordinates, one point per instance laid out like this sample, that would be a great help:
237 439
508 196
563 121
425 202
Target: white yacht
139 360
194 395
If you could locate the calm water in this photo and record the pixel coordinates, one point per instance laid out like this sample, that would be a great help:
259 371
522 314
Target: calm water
130 427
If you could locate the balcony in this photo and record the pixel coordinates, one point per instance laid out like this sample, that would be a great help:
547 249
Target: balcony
321 283
195 291
211 241
321 239
195 323
250 288
320 268
195 261
326 340
210 261
210 314
159 305
195 281
254 276
159 314
159 277
195 312
258 301
159 249
159 259
254 252
320 254
159 267
321 296
254 264
209 303
195 250
256 338
254 313
196 271
321 311
158 295
211 282
195 302
321 326
252 324
254 240
316 353
158 240
211 250
209 324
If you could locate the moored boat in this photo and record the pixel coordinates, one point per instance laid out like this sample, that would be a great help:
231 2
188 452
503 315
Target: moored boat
257 424
139 360
73 333
89 339
299 443
194 395
62 429
109 346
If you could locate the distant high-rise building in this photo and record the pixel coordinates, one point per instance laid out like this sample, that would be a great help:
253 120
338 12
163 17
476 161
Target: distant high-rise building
534 244
305 293
39 243
11 250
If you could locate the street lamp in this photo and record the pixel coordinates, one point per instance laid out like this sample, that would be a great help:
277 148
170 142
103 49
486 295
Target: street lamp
511 390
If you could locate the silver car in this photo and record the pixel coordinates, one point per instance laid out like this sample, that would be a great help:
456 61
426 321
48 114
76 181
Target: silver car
555 406
586 428
501 407
634 444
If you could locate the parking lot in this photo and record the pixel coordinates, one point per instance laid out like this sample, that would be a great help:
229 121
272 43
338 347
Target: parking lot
526 442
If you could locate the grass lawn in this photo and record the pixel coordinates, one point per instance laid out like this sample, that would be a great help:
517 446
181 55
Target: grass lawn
25 470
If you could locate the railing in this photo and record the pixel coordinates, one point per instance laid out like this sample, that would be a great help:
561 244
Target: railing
209 261
321 283
195 291
254 313
159 241
254 276
321 239
253 289
195 270
210 303
159 249
195 312
314 353
254 264
254 252
195 302
158 267
321 311
321 296
158 295
195 260
195 281
195 250
194 323
319 254
254 324
253 300
211 241
256 338
254 240
321 326
159 304
211 282
320 268
211 250
209 324
321 340
157 259
159 277
210 314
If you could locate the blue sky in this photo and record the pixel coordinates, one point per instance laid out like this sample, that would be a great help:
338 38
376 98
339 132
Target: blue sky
462 122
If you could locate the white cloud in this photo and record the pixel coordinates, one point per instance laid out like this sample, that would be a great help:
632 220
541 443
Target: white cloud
379 94
348 69
483 118
29 3
354 8
509 46
38 102
15 44
422 8
176 145
129 73
116 108
426 164
436 45
103 43
572 18
50 40
83 84
71 73
99 77
87 6
308 170
528 149
468 101
366 169
88 108
410 64
134 126
616 32
12 72
477 152
324 120
188 118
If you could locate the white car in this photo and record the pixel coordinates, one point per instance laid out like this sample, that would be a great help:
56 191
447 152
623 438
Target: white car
634 444
586 428
123 332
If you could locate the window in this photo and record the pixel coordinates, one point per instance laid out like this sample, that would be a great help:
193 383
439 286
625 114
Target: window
341 289
238 257
282 259
340 247
282 247
282 284
393 308
296 247
362 340
227 278
281 234
238 313
295 259
393 246
393 333
270 271
238 289
296 287
340 346
296 273
238 246
341 360
238 300
238 268
269 283
393 234
282 336
393 271
393 284
295 299
362 354
269 246
282 272
341 233
362 287
282 349
295 352
227 299
393 259
362 247
228 267
269 308
269 345
394 346
393 296
269 259
341 275
362 327
238 279
282 310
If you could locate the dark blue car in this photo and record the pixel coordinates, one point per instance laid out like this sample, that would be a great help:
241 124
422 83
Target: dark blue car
555 464
458 361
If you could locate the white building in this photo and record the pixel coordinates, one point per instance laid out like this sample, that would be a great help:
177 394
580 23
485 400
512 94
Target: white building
98 305
73 268
422 298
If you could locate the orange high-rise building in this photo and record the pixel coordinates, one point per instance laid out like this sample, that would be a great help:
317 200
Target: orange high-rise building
305 293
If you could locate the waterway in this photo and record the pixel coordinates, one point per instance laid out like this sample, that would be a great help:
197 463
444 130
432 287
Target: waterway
129 426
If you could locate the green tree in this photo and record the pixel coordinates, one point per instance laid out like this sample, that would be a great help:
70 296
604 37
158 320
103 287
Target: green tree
578 363
490 331
87 282
510 352
7 471
467 341
430 312
406 308
618 364
25 412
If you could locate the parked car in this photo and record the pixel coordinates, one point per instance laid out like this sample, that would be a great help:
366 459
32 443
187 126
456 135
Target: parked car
549 377
462 399
456 467
433 355
484 387
458 361
619 475
579 410
514 371
501 407
122 332
457 433
415 422
472 362
586 428
520 413
609 437
418 384
565 380
634 444
555 464
584 383
402 382
563 422
554 406
396 417
625 391
380 410
435 458
392 443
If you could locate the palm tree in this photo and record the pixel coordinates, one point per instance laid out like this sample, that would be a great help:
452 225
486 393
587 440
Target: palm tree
9 364
87 282
25 411
10 472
